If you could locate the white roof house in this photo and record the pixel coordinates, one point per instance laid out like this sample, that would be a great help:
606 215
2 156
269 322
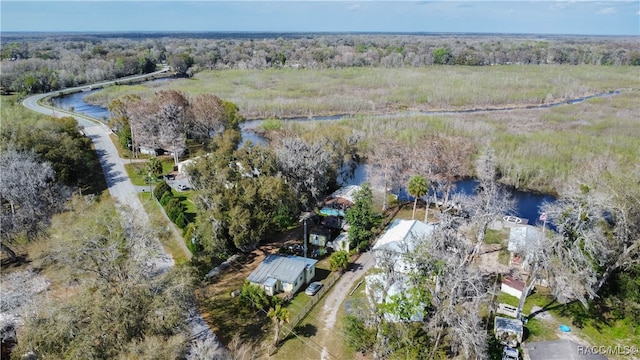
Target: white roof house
523 241
340 243
346 192
400 238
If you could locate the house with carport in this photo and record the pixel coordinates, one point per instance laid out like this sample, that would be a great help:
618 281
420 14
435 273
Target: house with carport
283 273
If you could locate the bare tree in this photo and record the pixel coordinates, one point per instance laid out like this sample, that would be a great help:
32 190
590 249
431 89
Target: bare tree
144 128
119 306
490 202
387 165
458 291
207 116
209 349
597 233
171 127
28 197
306 165
450 159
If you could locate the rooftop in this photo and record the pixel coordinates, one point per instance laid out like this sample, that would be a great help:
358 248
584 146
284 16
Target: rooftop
403 231
522 238
285 268
346 193
509 325
516 284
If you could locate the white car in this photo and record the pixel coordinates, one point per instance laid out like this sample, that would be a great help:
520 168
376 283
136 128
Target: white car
313 288
509 353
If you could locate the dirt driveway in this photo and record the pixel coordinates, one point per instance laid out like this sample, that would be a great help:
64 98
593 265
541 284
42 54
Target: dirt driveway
339 293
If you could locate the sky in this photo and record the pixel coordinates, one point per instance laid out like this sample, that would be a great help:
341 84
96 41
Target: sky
575 17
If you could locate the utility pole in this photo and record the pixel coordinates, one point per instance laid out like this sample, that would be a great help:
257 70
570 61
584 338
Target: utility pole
149 179
305 237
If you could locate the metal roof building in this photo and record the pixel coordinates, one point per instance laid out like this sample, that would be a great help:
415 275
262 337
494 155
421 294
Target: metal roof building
283 273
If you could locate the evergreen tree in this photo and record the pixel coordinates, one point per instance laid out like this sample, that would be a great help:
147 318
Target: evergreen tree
362 218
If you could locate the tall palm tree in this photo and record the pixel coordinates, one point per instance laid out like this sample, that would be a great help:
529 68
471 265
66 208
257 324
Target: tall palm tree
417 187
280 316
154 167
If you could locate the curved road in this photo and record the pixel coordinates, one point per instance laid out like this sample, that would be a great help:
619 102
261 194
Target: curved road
121 188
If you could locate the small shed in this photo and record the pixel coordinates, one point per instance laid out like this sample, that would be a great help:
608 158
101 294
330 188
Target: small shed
512 287
319 236
508 331
340 243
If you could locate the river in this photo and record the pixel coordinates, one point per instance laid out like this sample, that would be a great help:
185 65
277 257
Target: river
527 203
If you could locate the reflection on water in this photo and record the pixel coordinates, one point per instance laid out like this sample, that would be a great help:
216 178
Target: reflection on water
76 101
527 204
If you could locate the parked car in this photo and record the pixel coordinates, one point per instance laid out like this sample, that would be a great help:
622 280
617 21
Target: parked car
313 288
509 353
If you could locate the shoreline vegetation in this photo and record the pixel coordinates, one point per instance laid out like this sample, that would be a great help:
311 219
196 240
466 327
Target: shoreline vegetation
539 149
301 93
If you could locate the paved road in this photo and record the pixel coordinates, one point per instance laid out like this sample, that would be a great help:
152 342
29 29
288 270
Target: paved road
122 190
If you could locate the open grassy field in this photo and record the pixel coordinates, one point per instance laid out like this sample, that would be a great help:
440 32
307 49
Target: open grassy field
138 174
289 92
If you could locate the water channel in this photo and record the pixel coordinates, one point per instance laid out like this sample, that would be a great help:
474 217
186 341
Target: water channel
527 203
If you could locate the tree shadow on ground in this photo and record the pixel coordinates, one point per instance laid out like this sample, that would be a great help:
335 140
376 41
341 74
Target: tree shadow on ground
306 330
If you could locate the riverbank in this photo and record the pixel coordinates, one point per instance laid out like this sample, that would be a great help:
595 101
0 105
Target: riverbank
549 125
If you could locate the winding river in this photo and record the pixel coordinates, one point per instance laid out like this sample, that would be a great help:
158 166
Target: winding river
527 203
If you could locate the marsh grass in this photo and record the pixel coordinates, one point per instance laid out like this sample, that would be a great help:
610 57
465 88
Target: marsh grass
301 92
538 149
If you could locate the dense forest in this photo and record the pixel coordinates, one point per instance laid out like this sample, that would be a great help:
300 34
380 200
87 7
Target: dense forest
34 63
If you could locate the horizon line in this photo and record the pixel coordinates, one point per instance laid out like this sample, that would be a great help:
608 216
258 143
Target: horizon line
346 32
